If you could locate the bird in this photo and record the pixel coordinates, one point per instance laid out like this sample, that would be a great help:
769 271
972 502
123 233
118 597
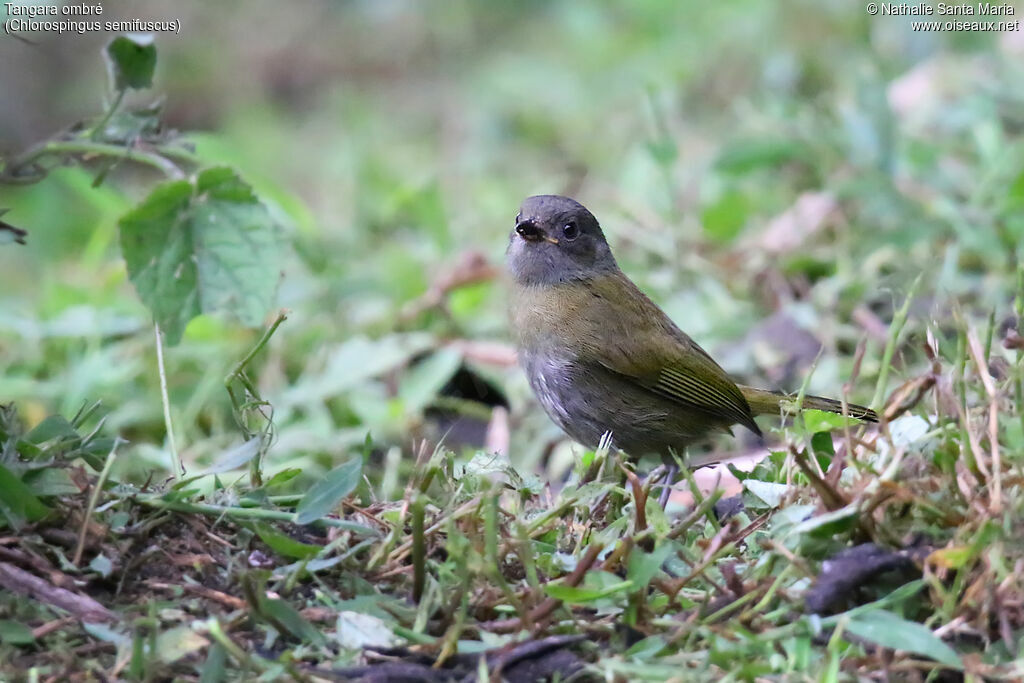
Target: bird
601 357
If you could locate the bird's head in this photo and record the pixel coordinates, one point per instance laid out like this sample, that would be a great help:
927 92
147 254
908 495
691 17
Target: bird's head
556 240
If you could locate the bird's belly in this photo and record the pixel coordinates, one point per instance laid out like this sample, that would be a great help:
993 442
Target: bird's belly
587 401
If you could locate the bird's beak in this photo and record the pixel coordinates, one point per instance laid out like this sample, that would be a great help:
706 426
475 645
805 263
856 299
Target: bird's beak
529 231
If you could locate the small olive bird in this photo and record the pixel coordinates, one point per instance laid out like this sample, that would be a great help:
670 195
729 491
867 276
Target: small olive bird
602 357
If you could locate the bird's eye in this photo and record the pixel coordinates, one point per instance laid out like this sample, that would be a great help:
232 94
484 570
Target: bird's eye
570 231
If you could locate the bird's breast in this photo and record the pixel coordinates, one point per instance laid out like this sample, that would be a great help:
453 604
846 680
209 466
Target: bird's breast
551 319
551 378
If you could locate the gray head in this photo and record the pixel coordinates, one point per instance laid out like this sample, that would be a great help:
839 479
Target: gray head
556 240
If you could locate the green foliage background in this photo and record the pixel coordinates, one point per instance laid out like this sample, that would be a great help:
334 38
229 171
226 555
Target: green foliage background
392 142
390 137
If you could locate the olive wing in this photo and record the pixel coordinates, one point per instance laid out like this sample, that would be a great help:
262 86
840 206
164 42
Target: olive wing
634 338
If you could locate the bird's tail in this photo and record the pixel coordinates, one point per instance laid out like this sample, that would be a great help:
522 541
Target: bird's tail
764 402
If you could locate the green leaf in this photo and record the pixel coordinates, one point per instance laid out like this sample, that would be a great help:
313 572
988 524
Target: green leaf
17 502
356 631
648 648
724 219
359 359
1015 194
131 59
421 383
107 634
743 156
285 617
329 491
285 545
282 477
770 492
578 595
214 669
664 152
178 642
953 558
820 421
102 565
828 524
822 444
15 633
229 460
51 481
644 566
53 427
202 247
894 632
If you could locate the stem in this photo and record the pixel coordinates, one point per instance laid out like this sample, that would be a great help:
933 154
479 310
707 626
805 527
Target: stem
238 373
177 470
99 127
64 147
94 499
246 513
233 649
240 366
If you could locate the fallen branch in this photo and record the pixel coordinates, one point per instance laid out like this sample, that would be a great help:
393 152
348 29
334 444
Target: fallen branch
81 606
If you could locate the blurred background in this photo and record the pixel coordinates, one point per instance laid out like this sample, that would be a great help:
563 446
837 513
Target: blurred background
775 175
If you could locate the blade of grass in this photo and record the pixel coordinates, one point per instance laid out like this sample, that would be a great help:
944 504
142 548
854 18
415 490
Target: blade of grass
899 319
995 462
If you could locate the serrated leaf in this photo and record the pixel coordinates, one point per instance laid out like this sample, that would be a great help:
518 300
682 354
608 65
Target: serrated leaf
131 58
894 632
202 246
329 491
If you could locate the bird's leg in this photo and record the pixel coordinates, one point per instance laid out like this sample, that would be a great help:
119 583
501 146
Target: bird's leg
666 483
